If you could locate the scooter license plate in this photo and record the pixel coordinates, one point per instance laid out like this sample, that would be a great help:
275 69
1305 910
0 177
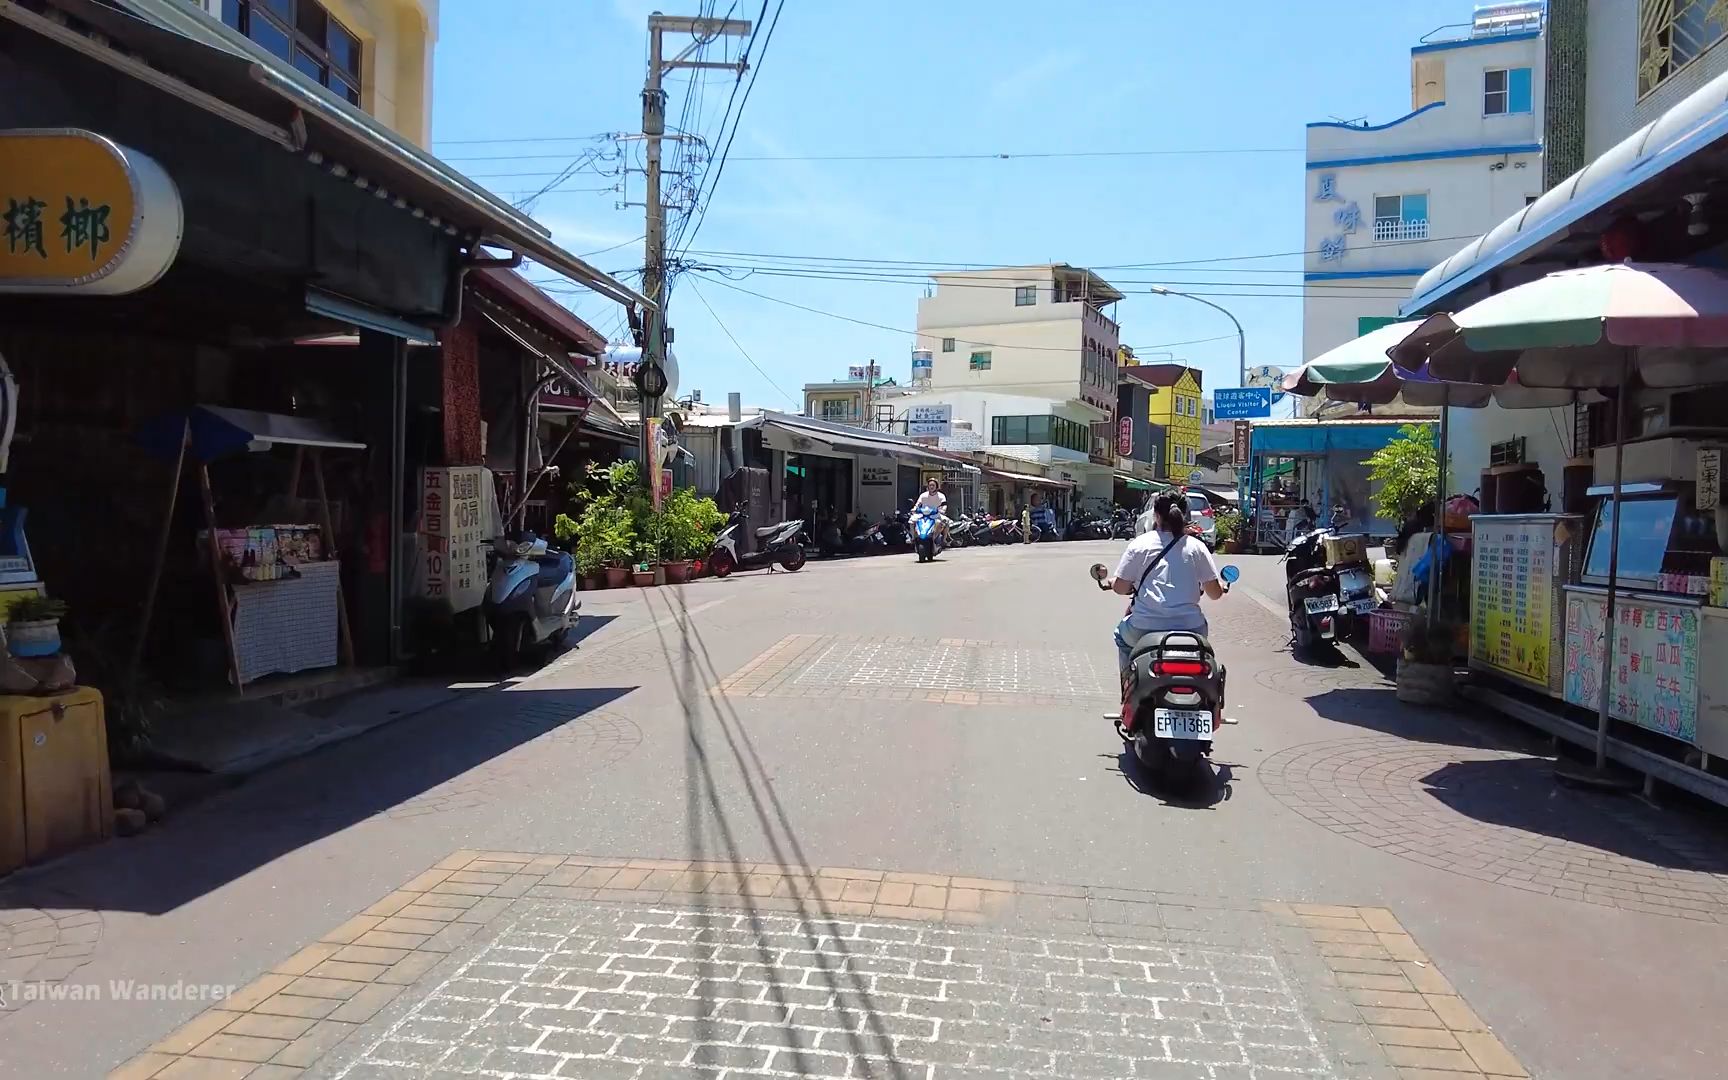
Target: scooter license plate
1315 605
1181 724
1363 606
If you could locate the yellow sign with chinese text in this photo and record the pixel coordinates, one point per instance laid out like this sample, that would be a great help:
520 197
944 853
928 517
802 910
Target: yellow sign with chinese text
1512 598
80 213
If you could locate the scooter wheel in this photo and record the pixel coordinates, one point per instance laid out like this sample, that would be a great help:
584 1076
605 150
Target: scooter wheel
508 641
793 562
721 565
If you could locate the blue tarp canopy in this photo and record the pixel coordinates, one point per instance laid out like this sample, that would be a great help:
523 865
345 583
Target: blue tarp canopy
1316 438
218 432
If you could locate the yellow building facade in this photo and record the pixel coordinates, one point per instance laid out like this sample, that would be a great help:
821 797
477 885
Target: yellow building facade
1177 408
376 54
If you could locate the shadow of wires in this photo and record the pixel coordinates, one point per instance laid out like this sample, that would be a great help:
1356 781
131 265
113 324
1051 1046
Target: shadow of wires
1520 793
715 738
454 756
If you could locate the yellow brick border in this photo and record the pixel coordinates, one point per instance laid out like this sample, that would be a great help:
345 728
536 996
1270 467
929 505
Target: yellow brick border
290 1017
1426 1029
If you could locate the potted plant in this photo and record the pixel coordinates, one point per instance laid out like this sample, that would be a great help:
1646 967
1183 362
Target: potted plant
605 538
566 532
33 626
1229 525
689 523
1424 673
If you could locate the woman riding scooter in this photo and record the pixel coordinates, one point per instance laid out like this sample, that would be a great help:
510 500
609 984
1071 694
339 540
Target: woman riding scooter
1166 571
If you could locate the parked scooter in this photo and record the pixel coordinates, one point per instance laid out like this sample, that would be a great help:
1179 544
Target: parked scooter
1085 525
1324 601
1122 524
776 544
895 532
1172 699
530 597
927 532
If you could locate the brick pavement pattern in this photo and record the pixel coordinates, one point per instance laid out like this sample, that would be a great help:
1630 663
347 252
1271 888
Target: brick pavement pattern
41 948
1499 817
513 964
950 671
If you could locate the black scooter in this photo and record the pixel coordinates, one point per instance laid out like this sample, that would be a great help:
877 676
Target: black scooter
1172 699
1325 602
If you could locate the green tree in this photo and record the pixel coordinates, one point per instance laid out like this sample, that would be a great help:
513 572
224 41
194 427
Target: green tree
1405 473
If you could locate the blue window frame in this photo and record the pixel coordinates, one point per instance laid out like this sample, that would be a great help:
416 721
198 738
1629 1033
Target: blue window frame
1506 91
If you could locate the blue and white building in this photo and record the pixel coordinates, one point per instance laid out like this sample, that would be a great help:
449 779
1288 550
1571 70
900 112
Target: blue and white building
1385 202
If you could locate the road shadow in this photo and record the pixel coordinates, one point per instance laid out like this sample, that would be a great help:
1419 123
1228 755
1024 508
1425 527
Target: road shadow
1521 793
427 762
1377 708
716 737
1214 789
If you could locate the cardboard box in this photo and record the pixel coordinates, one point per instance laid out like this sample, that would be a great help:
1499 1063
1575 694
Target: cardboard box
1345 549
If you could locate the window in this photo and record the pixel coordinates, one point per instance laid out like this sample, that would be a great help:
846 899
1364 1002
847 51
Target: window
302 33
1528 199
1505 91
980 361
837 409
1025 295
1672 34
1510 452
1040 431
947 344
1400 217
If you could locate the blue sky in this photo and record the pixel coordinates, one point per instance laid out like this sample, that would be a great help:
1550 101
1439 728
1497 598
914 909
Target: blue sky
955 77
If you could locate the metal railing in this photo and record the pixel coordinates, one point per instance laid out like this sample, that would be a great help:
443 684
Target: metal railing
1399 229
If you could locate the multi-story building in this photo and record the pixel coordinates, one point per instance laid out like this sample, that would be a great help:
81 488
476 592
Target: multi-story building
1637 131
1385 202
376 54
866 400
1027 356
1176 408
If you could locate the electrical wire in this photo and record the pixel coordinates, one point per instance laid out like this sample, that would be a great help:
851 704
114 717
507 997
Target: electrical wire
741 350
1045 155
959 341
701 214
920 280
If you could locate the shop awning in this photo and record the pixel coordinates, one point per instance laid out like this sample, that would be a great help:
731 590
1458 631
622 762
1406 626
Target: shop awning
1681 152
237 79
1000 475
1314 438
804 434
1134 483
218 431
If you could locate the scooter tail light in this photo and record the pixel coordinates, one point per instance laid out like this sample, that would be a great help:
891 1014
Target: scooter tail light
1179 667
1182 697
1206 512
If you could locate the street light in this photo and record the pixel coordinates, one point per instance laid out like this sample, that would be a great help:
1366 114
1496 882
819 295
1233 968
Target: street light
1241 338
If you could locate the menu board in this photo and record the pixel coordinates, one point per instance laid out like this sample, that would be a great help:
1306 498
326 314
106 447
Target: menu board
1512 596
1655 679
454 533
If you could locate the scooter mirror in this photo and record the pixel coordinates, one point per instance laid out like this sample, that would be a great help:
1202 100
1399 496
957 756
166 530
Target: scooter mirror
1100 571
1229 574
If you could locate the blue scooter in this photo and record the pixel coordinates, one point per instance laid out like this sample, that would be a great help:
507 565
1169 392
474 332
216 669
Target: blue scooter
926 533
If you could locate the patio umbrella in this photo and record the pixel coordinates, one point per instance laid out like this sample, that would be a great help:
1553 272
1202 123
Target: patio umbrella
1588 328
1356 362
1572 329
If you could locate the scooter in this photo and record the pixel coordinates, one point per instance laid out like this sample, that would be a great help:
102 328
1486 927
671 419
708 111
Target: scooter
530 597
1085 525
775 543
927 532
1324 601
1172 698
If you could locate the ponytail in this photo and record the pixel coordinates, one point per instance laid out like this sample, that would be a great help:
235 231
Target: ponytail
1171 512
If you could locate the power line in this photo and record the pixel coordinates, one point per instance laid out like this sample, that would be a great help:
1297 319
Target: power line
737 120
920 280
741 350
1042 155
915 333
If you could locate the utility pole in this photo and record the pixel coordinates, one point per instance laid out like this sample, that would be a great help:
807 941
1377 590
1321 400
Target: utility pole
651 375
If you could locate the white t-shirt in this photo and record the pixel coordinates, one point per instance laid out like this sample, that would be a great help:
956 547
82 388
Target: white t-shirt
926 498
1170 597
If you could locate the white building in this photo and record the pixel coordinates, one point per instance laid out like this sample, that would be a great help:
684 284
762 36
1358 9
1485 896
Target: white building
1385 202
1027 356
1616 66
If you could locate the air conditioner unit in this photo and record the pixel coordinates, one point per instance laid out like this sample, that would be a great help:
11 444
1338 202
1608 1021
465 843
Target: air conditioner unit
1652 461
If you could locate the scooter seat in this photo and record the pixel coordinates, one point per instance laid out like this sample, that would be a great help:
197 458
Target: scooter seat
1184 639
555 566
767 531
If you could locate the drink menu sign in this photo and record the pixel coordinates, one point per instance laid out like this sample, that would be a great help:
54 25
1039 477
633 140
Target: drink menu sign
1654 683
1512 597
453 531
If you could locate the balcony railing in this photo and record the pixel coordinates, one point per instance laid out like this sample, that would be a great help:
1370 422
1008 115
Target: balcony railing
1386 229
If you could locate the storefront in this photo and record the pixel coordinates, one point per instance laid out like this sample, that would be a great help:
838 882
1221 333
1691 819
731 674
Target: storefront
1007 493
1320 463
827 473
199 189
1543 615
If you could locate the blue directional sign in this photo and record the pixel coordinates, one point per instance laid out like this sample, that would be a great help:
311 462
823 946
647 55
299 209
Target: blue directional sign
1242 402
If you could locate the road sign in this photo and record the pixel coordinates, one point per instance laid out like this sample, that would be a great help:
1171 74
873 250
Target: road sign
1125 437
1242 402
937 420
1241 437
1265 375
1196 476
